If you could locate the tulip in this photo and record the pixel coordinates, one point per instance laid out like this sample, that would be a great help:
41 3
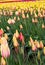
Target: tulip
41 44
6 36
43 26
11 21
3 62
22 11
15 42
21 37
35 15
16 34
44 50
21 27
23 16
27 16
4 12
17 13
8 28
33 20
15 18
31 40
36 20
1 32
5 51
34 48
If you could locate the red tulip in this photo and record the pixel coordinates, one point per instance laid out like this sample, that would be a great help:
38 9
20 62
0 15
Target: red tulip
21 37
1 32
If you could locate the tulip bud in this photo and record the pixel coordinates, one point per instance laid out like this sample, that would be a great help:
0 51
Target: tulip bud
44 50
16 34
8 28
21 27
43 26
27 16
21 37
37 44
6 36
15 42
41 44
23 16
33 20
36 20
3 62
31 40
34 48
15 18
1 32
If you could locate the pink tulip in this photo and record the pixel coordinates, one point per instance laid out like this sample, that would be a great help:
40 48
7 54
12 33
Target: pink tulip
5 51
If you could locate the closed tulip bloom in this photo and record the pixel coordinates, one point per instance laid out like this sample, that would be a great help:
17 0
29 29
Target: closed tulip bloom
31 40
35 15
23 16
16 34
3 62
21 37
43 26
41 44
44 50
1 32
36 20
5 51
15 42
37 44
15 18
8 28
21 27
33 20
34 48
27 16
17 13
6 36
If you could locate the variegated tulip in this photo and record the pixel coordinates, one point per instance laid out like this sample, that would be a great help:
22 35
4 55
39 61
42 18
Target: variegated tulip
41 44
5 51
11 21
34 48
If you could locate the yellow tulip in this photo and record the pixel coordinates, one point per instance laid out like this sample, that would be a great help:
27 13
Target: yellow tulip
3 62
15 42
16 34
44 50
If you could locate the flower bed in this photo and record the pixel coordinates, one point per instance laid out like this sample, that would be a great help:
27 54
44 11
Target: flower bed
22 36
